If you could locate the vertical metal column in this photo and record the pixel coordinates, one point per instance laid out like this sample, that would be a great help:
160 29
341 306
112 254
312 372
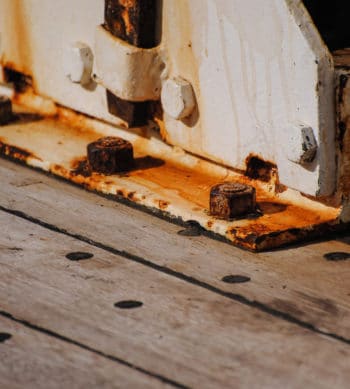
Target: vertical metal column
134 21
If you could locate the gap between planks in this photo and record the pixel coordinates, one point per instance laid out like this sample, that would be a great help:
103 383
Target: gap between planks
182 332
297 284
34 359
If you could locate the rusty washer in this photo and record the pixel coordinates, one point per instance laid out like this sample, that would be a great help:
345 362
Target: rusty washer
5 110
110 155
231 199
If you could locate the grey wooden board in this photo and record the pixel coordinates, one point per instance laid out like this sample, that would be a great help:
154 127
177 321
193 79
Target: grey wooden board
182 332
296 281
31 359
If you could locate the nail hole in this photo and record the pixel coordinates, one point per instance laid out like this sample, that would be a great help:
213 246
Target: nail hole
235 279
128 304
337 256
4 336
192 228
78 256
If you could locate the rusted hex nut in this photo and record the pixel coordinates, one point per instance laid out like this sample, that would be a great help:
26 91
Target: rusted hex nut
231 199
5 110
110 155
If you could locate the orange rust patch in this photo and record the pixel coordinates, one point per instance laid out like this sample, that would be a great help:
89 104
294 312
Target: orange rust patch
279 223
128 3
163 204
16 152
210 223
78 124
80 166
190 185
126 19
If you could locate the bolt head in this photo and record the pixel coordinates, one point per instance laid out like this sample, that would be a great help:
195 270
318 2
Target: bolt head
302 145
110 155
231 199
178 98
78 62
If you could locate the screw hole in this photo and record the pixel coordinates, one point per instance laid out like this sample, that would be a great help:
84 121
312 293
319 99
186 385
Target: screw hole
337 256
4 336
128 304
79 256
235 279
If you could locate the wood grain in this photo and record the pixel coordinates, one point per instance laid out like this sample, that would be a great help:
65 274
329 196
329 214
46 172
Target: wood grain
297 281
182 331
31 359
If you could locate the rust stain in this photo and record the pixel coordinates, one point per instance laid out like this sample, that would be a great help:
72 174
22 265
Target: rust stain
129 28
271 229
291 224
16 152
128 3
134 21
259 169
21 38
80 166
131 195
78 124
162 204
210 223
343 132
190 185
22 82
279 222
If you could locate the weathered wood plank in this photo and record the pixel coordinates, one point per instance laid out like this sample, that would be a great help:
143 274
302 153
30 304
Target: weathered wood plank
182 331
32 359
297 281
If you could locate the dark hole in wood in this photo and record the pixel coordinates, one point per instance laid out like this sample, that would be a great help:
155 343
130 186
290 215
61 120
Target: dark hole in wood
337 256
235 279
79 256
192 228
4 336
128 304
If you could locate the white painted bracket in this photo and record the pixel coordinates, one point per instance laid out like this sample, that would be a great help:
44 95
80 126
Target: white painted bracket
129 72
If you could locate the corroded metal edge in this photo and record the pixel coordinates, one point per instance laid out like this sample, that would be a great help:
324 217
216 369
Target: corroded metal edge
166 179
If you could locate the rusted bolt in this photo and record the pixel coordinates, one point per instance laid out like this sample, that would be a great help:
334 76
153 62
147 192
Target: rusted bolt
78 62
232 199
302 145
5 110
177 97
110 155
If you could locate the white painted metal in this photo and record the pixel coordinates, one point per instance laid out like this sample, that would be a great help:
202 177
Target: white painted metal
35 35
129 72
7 90
178 100
258 69
77 63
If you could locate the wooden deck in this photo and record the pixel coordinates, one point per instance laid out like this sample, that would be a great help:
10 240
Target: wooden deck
287 326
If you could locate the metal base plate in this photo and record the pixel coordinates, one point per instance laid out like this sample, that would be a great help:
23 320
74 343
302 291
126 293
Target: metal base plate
165 178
